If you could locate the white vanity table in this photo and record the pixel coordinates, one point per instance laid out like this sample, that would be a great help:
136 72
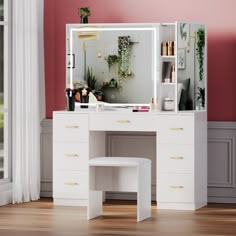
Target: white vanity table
181 154
181 135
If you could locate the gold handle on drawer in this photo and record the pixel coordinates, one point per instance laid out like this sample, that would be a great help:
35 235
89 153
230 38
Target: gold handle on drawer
72 155
176 158
72 183
123 121
176 186
177 129
72 126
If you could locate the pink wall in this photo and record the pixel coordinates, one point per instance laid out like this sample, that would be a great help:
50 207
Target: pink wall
219 15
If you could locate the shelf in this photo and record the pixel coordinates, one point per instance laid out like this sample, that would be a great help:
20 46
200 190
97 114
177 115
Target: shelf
165 84
168 57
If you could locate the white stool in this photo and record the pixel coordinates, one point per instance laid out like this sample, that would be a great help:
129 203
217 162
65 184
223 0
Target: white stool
127 174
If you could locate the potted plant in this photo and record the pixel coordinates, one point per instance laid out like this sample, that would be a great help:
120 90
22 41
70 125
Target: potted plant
84 12
90 79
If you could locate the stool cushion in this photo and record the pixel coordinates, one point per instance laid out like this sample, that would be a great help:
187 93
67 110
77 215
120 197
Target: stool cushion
118 161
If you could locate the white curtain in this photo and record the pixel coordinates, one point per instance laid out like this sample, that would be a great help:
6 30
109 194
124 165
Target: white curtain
27 98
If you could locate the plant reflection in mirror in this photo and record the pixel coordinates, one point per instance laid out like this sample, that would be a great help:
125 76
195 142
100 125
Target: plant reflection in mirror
111 60
124 56
200 51
201 96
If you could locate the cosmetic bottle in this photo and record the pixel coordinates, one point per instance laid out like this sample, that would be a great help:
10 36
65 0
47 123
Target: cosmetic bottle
173 74
152 105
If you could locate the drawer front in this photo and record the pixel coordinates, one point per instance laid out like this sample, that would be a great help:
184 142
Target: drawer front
123 122
70 184
175 129
70 156
175 158
175 188
70 127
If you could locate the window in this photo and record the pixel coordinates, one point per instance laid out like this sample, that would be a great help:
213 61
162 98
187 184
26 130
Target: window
5 80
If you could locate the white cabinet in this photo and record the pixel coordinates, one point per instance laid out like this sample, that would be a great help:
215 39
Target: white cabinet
70 158
179 175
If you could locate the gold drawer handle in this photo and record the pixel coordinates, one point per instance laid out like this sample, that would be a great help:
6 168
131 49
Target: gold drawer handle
176 158
177 129
72 155
72 126
72 183
177 186
123 121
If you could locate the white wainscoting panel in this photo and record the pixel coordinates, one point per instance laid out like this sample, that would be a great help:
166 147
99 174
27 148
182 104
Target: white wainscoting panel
221 158
46 158
221 162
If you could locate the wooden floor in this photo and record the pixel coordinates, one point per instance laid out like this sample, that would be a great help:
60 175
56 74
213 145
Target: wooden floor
43 218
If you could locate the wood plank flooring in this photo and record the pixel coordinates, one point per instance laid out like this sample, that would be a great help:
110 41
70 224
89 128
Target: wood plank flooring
119 218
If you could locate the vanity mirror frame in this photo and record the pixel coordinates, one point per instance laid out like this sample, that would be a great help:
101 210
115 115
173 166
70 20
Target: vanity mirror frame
161 32
98 28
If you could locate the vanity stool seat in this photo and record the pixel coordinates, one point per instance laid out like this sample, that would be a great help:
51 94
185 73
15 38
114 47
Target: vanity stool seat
126 174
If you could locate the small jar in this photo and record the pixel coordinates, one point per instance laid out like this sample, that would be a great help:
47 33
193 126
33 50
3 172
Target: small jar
169 104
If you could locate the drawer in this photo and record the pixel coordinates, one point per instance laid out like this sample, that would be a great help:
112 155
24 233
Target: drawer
70 156
123 122
175 129
70 184
175 188
70 127
175 158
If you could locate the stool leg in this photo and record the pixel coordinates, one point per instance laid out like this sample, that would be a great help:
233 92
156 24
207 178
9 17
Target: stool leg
95 198
144 192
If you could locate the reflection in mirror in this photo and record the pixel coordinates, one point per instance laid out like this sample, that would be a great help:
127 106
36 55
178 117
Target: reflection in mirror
116 63
191 66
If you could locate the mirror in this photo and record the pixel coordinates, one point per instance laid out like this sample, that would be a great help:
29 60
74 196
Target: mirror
191 65
117 62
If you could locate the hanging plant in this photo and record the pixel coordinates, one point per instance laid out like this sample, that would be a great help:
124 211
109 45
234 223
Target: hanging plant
111 60
200 51
124 55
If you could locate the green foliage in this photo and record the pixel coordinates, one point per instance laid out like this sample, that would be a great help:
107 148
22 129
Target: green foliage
200 51
84 11
90 79
111 60
123 58
124 55
201 96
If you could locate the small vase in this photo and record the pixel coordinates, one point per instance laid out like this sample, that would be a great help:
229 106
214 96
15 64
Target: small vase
84 99
84 19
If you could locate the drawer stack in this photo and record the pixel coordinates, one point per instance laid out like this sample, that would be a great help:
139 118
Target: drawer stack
175 162
70 159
